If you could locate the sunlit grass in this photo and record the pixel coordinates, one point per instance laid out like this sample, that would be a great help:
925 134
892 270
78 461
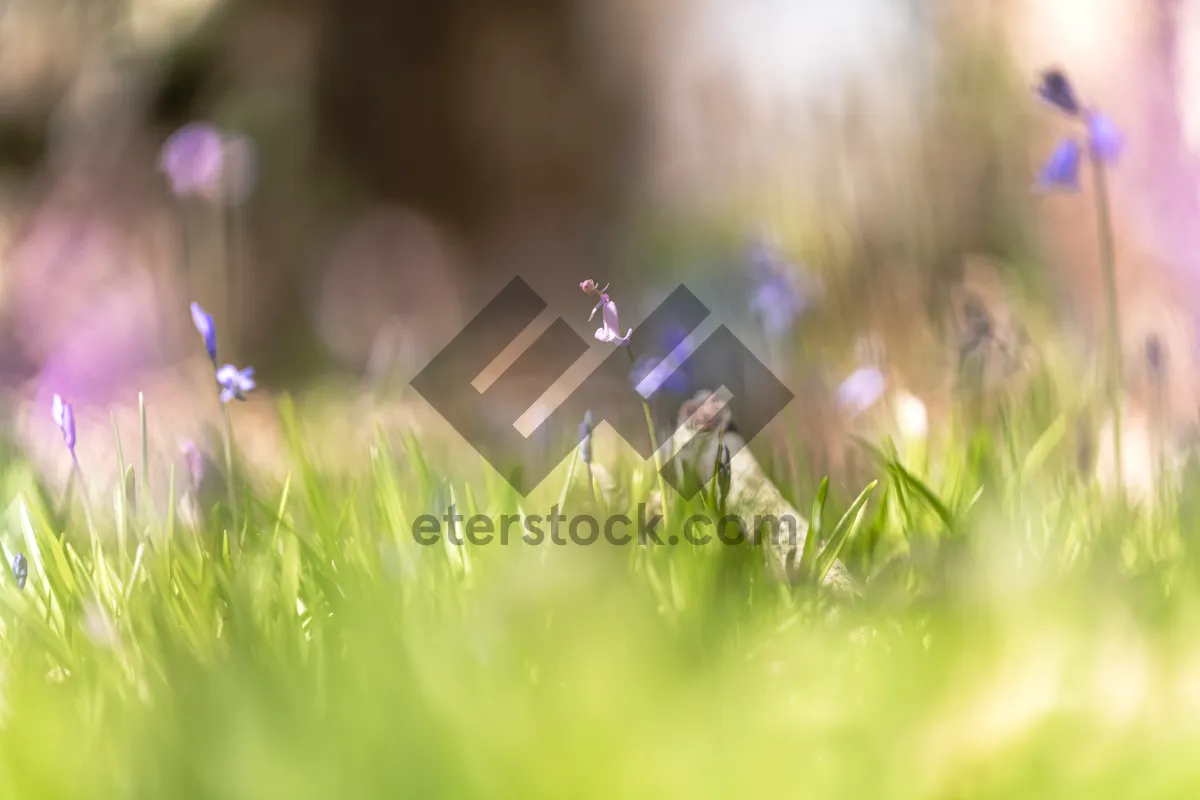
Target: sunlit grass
1019 635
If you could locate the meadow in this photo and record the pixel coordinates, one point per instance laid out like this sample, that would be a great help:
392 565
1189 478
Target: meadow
1018 629
1018 633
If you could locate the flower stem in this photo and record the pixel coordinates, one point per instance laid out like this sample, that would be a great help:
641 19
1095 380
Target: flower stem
1108 267
591 479
662 484
229 477
83 495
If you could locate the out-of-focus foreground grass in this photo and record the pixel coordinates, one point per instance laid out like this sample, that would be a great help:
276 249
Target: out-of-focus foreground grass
1019 636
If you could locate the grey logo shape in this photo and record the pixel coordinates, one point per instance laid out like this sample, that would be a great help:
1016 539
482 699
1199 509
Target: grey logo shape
446 384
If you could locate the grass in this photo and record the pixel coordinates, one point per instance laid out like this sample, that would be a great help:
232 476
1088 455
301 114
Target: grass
1019 636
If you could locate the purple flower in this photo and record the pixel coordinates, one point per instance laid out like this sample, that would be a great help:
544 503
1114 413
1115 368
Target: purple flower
650 373
208 331
193 459
776 300
235 383
861 390
20 569
1105 137
1056 90
1061 170
191 159
611 330
201 160
64 418
776 303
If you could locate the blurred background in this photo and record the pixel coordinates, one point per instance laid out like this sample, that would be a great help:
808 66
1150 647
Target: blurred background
846 185
402 160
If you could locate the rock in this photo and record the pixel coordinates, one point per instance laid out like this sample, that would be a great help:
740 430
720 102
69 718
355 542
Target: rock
705 426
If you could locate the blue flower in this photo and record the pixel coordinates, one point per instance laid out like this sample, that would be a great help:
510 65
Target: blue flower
1061 170
776 300
650 373
208 331
861 390
1105 137
1056 90
64 418
20 569
776 303
235 383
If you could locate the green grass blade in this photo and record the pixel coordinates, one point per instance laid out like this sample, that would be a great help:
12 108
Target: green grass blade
842 533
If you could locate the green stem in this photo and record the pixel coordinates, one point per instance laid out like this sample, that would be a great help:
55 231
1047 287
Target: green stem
144 468
83 495
591 479
228 430
658 476
1108 267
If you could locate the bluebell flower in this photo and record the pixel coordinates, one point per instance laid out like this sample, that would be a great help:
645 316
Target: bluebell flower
861 390
64 418
776 299
585 438
191 159
1105 137
235 383
201 160
20 569
1061 170
208 331
610 332
1056 90
776 303
670 371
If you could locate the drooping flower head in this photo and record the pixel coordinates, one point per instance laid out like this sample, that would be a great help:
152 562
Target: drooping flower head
235 384
64 418
1105 137
610 331
1061 170
1056 90
208 331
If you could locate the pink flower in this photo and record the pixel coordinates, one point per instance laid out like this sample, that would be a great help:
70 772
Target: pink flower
611 332
202 160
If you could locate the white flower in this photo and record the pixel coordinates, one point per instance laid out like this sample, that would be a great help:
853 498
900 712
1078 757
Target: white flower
611 331
911 417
